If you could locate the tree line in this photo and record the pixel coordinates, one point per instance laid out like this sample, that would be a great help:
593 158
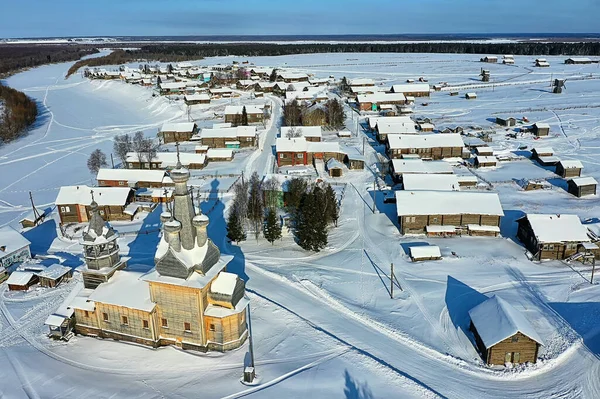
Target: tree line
313 209
14 57
145 149
296 114
18 113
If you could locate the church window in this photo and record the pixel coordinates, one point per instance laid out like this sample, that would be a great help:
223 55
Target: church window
86 313
124 320
164 323
105 317
145 323
187 327
212 327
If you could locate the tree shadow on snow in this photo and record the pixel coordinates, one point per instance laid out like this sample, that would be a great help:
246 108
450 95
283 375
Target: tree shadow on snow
460 298
143 248
354 389
214 208
583 318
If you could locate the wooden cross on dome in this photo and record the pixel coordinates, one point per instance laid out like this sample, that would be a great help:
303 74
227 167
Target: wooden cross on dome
178 159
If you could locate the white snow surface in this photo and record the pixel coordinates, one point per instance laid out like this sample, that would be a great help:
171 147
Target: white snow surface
126 289
447 203
224 283
558 228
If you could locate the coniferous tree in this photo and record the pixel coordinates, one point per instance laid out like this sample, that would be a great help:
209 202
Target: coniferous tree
273 76
332 210
296 189
244 121
235 228
311 226
272 229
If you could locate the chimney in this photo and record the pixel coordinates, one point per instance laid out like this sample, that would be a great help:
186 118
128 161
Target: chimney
200 222
172 229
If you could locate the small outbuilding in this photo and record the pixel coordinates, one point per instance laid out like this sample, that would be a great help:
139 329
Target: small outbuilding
425 252
53 275
484 151
582 186
335 168
14 247
540 129
482 161
502 334
467 181
21 281
510 121
471 96
569 168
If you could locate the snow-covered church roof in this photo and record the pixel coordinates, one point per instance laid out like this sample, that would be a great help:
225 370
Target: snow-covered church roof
496 320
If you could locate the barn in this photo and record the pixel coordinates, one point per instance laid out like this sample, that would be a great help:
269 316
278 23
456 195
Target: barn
502 334
484 161
471 96
582 186
569 168
21 281
578 61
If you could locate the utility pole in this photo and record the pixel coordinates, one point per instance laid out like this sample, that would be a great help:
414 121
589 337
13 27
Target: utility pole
249 371
392 282
593 270
374 194
112 161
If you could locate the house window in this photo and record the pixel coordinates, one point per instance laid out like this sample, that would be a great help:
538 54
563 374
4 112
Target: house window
211 327
145 324
121 183
551 247
86 313
248 138
187 327
124 320
300 155
105 317
146 165
164 323
515 339
131 165
65 209
102 213
508 357
281 155
516 357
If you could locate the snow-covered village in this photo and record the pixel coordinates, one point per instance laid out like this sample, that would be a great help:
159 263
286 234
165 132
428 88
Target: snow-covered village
357 225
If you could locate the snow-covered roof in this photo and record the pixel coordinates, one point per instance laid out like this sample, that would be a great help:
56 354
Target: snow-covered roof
471 95
173 85
402 166
542 125
584 181
238 109
447 203
19 278
126 289
396 128
219 153
11 240
104 196
473 141
292 75
365 89
224 283
181 127
82 303
55 320
405 141
304 131
320 146
197 97
334 164
132 175
549 228
221 125
477 227
374 120
435 182
580 59
496 320
411 88
543 150
296 144
380 97
221 90
486 159
571 164
484 150
229 132
361 82
169 159
467 179
220 311
54 271
425 251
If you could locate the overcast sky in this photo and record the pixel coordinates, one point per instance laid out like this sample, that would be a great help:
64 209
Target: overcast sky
38 18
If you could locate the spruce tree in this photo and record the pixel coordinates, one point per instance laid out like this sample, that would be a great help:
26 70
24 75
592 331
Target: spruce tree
244 117
311 225
273 76
272 229
332 210
296 190
235 230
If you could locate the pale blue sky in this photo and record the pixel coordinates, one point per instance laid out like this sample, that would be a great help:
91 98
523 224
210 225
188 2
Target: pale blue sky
36 18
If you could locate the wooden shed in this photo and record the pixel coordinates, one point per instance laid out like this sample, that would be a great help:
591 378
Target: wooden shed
425 252
21 281
582 186
510 121
53 275
502 334
482 161
484 151
335 168
471 96
569 168
540 129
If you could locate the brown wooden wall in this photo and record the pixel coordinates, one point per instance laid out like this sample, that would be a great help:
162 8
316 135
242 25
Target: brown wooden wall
422 221
525 346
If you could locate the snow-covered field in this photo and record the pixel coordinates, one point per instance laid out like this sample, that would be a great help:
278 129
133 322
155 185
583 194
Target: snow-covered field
324 324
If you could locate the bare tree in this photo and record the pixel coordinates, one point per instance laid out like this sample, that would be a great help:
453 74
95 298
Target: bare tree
294 132
122 146
149 148
271 191
138 144
256 213
96 161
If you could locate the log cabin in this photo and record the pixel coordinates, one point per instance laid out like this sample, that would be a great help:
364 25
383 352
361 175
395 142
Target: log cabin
135 178
432 146
361 82
291 77
400 167
540 129
544 156
508 122
230 137
371 102
485 161
310 133
233 114
73 203
334 168
502 334
568 169
448 212
53 275
21 281
412 89
556 237
14 248
167 161
299 151
404 125
425 252
177 132
582 186
194 99
219 154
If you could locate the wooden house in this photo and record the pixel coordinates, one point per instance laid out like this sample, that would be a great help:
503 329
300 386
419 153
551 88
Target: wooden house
371 102
426 127
233 114
354 161
219 154
264 87
432 146
334 168
553 236
167 161
400 167
135 178
425 252
310 133
53 275
448 212
291 77
168 88
485 161
201 149
361 82
467 181
484 151
222 92
60 325
578 61
510 121
569 168
502 334
194 99
394 125
582 186
73 203
490 59
412 89
542 63
540 129
230 137
471 96
544 156
14 248
299 151
21 281
177 132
